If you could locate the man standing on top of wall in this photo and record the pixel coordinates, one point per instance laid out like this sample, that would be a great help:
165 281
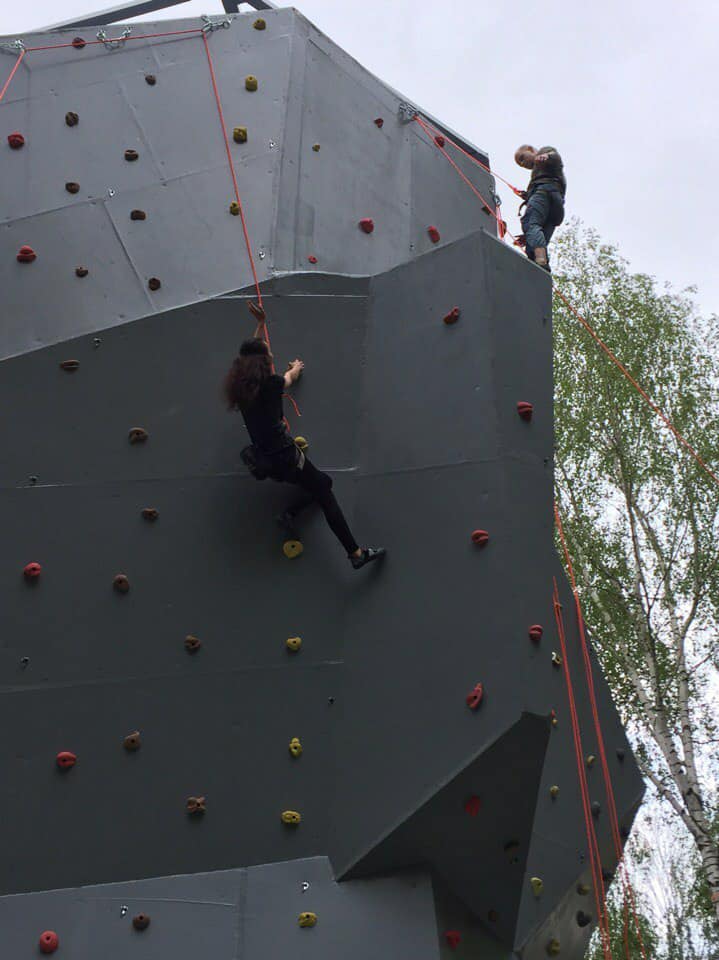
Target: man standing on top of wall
544 199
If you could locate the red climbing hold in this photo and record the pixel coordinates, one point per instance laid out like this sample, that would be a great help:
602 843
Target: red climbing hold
525 410
78 43
433 234
452 316
32 571
535 632
367 224
16 140
312 258
472 806
453 938
379 122
480 537
49 942
65 759
439 140
26 254
475 697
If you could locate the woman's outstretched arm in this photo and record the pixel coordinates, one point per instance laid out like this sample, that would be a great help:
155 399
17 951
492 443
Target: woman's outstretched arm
294 372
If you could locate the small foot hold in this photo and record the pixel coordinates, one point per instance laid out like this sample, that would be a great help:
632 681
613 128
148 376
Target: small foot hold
369 554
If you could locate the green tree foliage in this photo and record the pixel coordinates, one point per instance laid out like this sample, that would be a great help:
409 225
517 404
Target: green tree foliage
642 517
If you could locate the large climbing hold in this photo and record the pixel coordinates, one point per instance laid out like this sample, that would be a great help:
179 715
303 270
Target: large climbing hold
49 942
26 254
16 140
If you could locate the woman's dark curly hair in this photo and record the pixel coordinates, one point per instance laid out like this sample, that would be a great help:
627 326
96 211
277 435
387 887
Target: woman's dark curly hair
246 375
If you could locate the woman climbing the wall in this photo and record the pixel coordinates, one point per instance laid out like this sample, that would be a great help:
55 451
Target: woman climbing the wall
252 388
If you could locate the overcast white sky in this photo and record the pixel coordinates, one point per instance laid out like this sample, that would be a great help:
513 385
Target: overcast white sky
625 90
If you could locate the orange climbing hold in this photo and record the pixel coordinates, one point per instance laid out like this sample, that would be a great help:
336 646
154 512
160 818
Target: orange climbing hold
474 698
480 537
525 410
366 224
26 254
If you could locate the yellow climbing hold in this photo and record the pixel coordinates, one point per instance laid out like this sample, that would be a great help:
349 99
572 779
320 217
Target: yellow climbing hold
307 919
301 443
239 134
259 24
235 208
292 549
295 747
553 947
590 760
294 643
554 792
537 885
583 889
251 83
291 817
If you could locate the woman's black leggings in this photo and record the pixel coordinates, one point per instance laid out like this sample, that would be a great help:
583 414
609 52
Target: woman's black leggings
317 488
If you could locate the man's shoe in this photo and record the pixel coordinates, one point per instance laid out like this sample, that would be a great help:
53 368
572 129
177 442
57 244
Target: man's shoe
540 257
369 554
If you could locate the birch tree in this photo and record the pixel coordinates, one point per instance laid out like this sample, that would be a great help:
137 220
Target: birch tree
641 515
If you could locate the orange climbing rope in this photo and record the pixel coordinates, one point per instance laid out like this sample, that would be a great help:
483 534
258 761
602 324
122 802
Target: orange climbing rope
592 843
629 897
12 74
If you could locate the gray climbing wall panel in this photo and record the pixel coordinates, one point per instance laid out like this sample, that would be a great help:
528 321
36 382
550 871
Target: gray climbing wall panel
422 820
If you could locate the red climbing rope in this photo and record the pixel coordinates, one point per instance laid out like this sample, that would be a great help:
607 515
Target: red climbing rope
679 436
12 74
140 36
611 803
501 224
248 243
592 843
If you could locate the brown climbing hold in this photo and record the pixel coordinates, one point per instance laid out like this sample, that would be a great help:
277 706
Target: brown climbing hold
71 118
150 79
453 938
132 741
251 83
195 806
433 233
259 24
553 948
78 43
26 254
239 134
121 583
131 155
150 514
474 698
192 644
256 310
137 435
69 364
72 187
154 283
535 632
81 271
525 410
316 147
480 537
235 208
16 140
379 122
452 316
141 921
138 215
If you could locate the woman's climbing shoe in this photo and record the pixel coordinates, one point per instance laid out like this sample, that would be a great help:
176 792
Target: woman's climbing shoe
368 555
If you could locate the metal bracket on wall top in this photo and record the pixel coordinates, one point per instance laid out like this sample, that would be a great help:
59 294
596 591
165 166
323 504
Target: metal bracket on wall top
407 112
135 8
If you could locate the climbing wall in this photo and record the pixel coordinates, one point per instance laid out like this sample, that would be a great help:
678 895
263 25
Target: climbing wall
213 748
